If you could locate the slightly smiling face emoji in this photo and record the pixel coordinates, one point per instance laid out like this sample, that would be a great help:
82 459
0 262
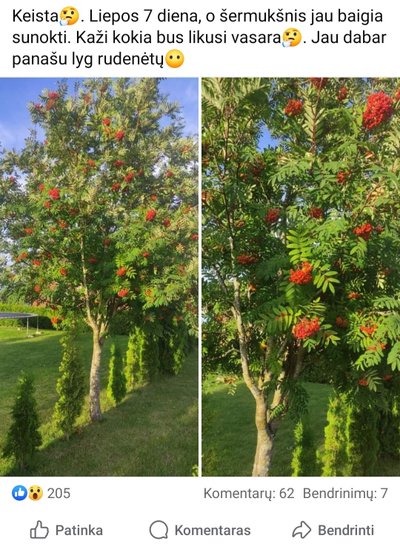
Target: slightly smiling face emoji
293 36
69 15
174 58
35 493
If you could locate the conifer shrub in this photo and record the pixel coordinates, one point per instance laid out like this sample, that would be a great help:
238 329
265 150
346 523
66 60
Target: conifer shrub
132 365
70 386
23 437
362 444
334 457
304 460
116 389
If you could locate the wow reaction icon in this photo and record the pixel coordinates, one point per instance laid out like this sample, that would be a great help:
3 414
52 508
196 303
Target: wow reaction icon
35 493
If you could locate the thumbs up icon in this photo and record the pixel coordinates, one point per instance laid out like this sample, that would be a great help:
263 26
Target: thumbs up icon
40 531
19 493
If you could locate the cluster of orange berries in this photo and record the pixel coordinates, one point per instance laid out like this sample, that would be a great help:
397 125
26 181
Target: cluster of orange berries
341 322
343 176
342 94
293 107
150 215
364 382
246 259
54 194
353 295
375 348
364 231
306 328
302 275
319 82
123 292
379 109
272 216
368 330
316 213
121 271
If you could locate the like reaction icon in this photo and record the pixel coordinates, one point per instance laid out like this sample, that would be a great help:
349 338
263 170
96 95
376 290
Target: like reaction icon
40 531
19 493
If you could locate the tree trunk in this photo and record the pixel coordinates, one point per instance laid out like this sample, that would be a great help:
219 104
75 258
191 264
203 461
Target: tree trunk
94 391
262 459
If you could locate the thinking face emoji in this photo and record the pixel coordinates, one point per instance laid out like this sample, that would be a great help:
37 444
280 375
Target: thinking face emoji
35 493
174 58
291 37
69 16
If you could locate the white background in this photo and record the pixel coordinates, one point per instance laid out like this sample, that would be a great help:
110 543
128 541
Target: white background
306 59
125 507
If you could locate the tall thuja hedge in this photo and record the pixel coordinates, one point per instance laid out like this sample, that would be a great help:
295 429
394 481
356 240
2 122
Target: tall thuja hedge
142 356
166 353
351 436
362 444
334 457
389 429
174 346
181 346
304 460
116 389
132 365
149 359
70 386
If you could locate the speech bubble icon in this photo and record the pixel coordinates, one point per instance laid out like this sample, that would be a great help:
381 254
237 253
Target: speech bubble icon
159 529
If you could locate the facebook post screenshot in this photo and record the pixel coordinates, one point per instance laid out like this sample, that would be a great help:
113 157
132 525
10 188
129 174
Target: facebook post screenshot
199 272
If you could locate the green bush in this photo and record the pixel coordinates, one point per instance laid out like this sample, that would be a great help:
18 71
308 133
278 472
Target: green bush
174 346
334 457
116 389
304 460
362 444
132 366
23 437
149 360
351 438
166 353
70 386
389 430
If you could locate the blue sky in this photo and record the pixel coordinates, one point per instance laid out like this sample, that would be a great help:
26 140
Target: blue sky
266 140
15 93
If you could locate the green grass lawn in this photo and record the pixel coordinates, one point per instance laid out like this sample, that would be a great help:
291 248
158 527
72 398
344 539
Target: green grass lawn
229 436
152 433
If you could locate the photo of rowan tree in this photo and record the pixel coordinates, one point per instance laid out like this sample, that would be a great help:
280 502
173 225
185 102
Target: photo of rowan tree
99 230
301 255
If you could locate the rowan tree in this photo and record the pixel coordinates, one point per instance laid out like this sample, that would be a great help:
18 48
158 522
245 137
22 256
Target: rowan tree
301 238
101 195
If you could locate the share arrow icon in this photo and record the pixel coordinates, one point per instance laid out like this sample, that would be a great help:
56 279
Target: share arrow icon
302 530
